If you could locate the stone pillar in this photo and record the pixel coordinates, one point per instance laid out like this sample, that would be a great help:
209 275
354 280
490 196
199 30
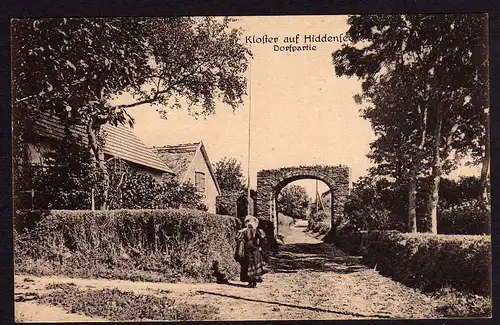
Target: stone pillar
265 189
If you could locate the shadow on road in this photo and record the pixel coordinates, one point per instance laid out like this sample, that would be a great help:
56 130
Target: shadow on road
290 305
313 257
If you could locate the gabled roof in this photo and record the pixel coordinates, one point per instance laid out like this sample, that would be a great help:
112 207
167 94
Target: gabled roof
180 157
177 157
120 142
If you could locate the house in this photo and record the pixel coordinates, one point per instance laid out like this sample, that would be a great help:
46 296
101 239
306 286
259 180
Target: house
326 199
190 163
121 145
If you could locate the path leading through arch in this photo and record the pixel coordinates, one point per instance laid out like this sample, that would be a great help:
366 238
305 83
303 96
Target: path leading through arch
309 280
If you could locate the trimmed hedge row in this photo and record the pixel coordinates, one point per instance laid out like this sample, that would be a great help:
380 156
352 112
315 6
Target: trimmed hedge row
150 245
431 262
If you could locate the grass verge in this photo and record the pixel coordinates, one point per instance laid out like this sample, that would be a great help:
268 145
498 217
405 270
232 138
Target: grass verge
117 305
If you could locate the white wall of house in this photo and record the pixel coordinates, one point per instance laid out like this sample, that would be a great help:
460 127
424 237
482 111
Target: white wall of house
210 192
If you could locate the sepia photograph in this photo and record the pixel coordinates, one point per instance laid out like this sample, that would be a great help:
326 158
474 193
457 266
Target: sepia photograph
231 168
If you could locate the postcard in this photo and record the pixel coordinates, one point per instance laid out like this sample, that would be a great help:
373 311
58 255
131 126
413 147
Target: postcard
251 168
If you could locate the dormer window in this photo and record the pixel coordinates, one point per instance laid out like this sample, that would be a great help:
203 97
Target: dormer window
199 181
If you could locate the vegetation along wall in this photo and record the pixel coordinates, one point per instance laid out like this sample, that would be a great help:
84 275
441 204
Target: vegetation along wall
427 261
150 245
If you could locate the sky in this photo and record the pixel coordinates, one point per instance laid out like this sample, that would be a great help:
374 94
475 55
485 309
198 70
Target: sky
301 112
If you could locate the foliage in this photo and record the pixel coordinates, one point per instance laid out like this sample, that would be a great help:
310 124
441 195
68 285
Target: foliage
456 192
65 179
226 205
284 221
142 191
414 54
456 304
74 68
83 60
319 222
73 175
182 195
116 305
462 210
430 262
375 204
145 245
469 217
229 176
293 201
319 216
379 204
420 116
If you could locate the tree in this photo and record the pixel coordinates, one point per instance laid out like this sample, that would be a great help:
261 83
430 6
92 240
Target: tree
293 201
142 191
375 204
74 68
405 62
400 149
229 175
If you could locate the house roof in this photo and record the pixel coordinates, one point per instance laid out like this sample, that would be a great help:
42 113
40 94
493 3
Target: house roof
120 142
179 158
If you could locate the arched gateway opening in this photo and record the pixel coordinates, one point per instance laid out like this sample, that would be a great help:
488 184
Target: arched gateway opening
270 182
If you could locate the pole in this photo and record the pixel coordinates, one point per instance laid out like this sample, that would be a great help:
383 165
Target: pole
317 196
93 201
249 209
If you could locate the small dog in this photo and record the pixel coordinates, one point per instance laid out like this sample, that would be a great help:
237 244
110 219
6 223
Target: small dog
219 273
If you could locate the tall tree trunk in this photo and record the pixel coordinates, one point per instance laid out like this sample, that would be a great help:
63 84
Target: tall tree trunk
412 182
436 178
93 128
441 152
412 201
486 163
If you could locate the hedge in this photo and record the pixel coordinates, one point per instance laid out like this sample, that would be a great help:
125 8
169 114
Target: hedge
149 245
431 262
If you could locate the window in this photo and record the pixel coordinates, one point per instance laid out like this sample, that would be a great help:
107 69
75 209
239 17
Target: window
199 181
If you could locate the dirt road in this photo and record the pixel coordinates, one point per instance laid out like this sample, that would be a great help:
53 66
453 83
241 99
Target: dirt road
308 280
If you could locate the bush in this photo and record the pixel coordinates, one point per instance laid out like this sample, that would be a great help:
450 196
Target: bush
152 245
142 191
431 262
470 217
293 201
376 204
284 221
319 222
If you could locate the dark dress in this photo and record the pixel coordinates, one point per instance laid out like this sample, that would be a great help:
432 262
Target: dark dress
252 265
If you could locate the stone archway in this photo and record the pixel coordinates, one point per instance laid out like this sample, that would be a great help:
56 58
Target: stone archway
271 181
